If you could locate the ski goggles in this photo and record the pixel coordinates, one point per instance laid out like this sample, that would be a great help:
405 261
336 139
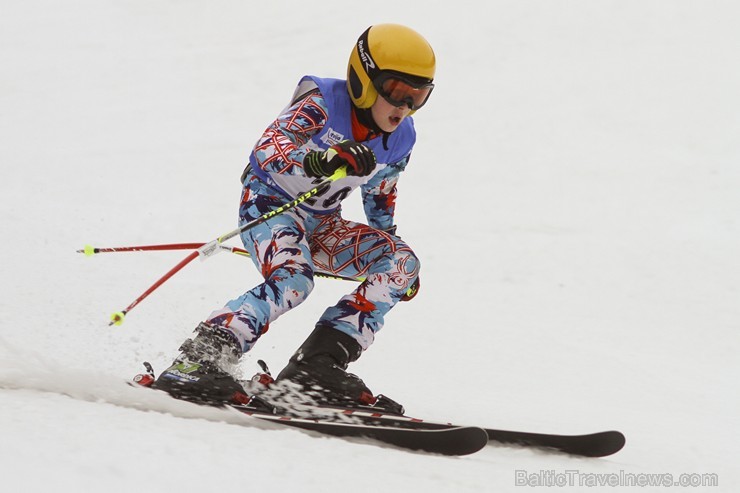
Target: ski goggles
399 90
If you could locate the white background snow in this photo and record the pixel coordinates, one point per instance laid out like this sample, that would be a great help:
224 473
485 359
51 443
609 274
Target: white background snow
573 197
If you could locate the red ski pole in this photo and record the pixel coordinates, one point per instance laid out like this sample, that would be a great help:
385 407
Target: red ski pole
90 250
117 318
207 249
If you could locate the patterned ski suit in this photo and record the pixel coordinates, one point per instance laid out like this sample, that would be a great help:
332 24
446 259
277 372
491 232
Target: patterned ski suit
289 247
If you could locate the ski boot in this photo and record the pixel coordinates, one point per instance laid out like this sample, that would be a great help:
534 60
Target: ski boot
319 368
200 373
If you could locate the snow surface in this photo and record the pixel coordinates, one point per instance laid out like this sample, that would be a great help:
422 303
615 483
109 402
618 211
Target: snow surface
573 197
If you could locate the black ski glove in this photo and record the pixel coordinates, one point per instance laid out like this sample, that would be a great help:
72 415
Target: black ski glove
359 159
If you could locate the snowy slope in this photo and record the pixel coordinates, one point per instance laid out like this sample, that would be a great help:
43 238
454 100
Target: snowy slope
582 274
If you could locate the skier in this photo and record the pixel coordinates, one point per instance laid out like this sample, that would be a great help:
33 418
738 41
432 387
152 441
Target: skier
362 124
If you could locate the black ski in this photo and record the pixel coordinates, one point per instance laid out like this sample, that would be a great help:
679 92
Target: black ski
452 440
447 440
599 444
412 433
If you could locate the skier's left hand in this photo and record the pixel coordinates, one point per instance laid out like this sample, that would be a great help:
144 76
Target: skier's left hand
412 291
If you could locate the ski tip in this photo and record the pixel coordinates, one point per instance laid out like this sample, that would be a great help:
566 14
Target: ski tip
474 440
613 441
453 441
599 444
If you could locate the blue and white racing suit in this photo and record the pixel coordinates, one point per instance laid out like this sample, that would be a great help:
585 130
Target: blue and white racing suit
290 246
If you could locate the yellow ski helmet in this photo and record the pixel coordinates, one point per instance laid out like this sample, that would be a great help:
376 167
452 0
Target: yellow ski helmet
386 48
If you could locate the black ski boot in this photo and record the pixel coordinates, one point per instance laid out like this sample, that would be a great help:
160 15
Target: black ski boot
319 367
200 373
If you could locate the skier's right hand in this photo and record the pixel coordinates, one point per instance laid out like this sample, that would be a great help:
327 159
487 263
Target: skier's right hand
359 159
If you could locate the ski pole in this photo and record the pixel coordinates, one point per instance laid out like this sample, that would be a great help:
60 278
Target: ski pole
214 246
117 317
90 250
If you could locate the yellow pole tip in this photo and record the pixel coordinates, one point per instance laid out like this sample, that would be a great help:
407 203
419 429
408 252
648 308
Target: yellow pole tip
117 318
89 250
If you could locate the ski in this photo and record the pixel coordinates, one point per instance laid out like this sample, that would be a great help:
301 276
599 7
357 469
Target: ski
452 441
448 440
600 444
368 423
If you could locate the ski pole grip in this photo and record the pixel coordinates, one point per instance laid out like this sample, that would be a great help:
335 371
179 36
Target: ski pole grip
341 172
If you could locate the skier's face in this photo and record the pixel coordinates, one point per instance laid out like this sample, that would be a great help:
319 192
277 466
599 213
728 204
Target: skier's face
387 116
